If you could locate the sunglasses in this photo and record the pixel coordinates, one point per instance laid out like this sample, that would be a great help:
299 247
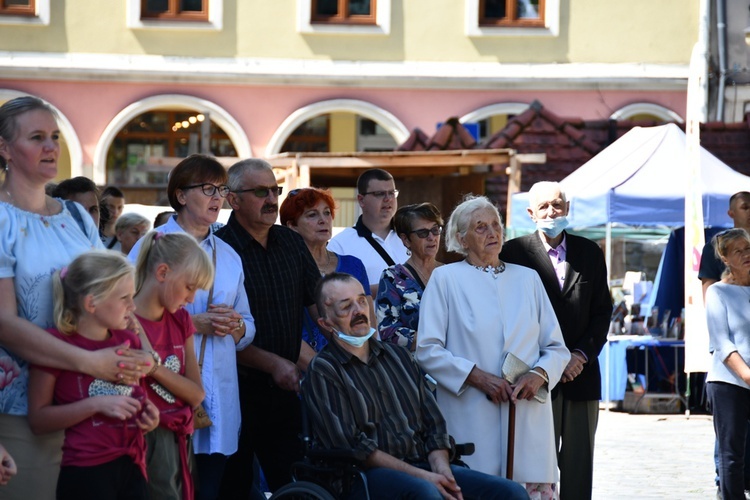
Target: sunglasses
262 191
424 233
210 189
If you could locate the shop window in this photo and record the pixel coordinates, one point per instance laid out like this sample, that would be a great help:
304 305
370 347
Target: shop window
343 11
17 8
174 10
521 13
313 136
133 157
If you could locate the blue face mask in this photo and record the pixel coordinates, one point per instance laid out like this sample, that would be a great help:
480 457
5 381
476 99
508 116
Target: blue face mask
552 227
355 341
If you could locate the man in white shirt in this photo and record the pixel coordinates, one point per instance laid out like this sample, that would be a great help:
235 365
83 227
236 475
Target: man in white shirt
372 239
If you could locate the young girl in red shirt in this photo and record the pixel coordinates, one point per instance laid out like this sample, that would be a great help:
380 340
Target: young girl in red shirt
104 449
169 270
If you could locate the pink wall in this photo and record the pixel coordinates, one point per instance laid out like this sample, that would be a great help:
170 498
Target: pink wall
260 110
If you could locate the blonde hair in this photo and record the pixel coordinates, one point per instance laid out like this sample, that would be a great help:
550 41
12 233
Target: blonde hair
180 252
94 273
458 223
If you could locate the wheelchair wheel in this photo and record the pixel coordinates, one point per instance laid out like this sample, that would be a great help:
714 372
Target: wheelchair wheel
302 490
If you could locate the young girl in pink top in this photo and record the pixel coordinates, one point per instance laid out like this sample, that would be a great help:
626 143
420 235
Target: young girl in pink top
169 270
104 449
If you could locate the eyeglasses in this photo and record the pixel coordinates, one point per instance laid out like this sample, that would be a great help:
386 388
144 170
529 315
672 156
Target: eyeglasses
424 233
382 194
262 191
210 189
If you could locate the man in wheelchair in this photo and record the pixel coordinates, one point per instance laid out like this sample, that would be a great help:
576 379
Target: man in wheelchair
369 396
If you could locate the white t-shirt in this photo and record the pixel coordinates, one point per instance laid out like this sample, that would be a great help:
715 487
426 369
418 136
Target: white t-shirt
348 242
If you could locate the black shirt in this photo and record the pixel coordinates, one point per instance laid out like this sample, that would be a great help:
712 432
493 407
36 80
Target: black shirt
280 282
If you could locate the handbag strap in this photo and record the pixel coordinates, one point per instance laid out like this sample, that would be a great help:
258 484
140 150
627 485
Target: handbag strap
367 234
210 299
415 275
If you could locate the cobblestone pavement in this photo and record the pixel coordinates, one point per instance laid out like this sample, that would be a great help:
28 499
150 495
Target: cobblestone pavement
653 456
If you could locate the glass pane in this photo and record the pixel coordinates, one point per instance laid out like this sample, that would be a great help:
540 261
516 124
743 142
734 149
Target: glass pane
154 6
317 127
192 5
155 121
359 7
495 9
17 3
528 9
327 7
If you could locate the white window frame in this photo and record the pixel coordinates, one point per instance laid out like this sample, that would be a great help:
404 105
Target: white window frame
382 22
41 18
215 19
551 23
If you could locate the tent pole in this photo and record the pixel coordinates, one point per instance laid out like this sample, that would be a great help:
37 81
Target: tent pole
608 254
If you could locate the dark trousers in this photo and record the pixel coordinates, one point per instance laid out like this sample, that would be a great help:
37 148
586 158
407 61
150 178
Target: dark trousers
209 471
271 425
388 484
731 408
120 479
575 429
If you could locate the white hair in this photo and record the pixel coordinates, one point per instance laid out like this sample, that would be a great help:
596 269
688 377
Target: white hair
544 186
459 221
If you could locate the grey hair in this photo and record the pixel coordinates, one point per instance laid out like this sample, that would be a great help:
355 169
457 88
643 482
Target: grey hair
542 185
458 224
131 219
237 171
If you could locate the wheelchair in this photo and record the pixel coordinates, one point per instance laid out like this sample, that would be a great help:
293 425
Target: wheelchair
333 474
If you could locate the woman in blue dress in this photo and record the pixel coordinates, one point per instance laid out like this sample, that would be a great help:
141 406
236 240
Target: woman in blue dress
310 212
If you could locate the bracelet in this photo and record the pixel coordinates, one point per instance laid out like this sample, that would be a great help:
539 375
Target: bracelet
543 376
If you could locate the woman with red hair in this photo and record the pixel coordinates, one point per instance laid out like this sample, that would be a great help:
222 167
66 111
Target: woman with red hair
310 212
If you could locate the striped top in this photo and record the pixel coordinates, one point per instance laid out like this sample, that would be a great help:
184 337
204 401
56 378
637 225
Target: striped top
383 404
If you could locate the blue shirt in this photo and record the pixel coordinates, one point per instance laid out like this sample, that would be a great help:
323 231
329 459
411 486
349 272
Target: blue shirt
219 373
727 314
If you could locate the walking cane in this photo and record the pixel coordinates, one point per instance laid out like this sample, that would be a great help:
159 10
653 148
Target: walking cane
511 439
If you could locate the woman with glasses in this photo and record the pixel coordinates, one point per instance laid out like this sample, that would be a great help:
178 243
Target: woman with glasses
310 212
400 291
728 379
223 322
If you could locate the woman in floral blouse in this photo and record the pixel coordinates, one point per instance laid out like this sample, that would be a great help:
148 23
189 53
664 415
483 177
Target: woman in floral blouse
400 291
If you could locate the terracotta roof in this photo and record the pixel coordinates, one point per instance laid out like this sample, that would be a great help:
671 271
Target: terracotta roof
417 141
569 143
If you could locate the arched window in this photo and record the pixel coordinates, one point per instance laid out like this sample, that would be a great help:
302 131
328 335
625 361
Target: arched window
131 159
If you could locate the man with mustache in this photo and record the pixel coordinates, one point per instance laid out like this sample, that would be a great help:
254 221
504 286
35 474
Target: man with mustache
370 396
372 240
280 278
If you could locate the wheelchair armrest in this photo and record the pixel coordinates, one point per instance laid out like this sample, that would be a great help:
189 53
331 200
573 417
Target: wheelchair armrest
464 450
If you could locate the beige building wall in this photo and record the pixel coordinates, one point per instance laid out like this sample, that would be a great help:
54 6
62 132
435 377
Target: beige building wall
343 132
646 31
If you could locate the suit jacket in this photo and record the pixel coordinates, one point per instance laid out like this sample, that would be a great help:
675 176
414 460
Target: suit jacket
583 307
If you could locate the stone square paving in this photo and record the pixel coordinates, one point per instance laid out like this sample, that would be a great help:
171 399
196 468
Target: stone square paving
653 456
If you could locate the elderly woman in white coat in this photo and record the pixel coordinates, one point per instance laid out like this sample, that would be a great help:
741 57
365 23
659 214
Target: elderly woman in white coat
474 312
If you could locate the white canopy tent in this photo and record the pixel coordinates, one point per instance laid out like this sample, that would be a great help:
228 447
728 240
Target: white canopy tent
641 180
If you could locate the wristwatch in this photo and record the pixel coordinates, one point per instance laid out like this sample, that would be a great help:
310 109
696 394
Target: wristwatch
240 324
